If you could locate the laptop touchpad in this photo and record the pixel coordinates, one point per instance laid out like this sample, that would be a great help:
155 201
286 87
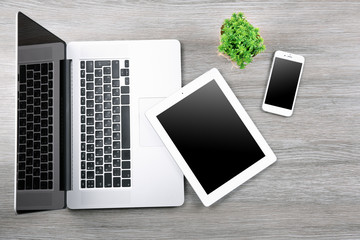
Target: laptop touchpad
148 136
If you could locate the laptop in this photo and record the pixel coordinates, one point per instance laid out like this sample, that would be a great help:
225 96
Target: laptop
82 138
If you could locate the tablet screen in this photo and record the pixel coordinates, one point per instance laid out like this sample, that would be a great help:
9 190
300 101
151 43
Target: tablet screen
210 136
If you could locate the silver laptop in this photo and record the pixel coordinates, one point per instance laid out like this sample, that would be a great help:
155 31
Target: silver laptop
83 140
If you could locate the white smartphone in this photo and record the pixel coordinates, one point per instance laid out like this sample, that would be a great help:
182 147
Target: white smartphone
283 83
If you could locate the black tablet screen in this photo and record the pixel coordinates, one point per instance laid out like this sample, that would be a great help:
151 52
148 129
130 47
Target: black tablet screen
210 136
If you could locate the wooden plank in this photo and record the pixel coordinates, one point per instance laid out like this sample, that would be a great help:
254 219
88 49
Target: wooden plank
312 191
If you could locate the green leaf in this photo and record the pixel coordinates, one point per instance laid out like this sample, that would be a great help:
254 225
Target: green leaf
240 40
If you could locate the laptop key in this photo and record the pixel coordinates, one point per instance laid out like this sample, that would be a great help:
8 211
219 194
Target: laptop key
28 182
90 94
98 73
125 173
99 170
90 174
44 185
116 100
90 130
90 166
90 156
98 134
107 158
116 127
89 66
98 99
124 72
125 126
107 141
22 74
99 161
89 77
115 69
36 172
107 70
82 183
126 183
21 184
117 182
116 92
107 79
50 184
98 90
125 165
116 163
116 153
116 135
108 179
107 88
44 69
89 86
116 83
22 166
44 80
90 183
126 154
99 152
125 89
89 103
98 125
98 81
107 149
125 99
21 175
36 183
36 163
107 132
99 181
100 64
116 171
107 96
116 144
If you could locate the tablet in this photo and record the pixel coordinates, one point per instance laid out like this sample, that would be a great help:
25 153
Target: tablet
210 136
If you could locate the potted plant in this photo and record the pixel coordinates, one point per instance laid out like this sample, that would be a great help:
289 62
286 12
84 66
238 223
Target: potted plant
240 40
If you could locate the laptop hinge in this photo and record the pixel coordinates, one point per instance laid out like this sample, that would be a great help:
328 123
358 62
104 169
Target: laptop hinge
65 125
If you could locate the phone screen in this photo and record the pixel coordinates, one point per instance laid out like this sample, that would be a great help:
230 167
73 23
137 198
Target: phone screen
283 83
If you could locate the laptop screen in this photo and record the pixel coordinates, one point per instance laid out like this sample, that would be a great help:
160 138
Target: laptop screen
38 180
31 33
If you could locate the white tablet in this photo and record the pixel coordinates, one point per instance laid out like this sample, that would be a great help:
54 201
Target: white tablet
211 137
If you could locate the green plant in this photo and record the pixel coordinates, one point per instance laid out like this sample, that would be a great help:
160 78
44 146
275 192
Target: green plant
240 40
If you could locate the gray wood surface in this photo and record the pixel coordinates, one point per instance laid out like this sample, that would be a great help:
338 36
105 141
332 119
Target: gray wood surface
312 191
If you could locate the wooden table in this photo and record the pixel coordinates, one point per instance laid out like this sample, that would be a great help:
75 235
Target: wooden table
312 191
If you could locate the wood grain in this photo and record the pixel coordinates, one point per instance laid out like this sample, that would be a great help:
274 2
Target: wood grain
312 191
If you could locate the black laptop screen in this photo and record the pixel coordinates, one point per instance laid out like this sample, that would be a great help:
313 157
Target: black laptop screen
31 33
39 176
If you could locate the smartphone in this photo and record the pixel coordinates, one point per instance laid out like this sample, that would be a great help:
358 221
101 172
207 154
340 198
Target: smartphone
283 83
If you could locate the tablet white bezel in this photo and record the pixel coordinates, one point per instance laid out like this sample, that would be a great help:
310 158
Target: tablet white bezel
276 109
243 176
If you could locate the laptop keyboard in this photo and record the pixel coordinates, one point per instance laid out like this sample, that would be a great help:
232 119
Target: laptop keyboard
35 127
105 124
